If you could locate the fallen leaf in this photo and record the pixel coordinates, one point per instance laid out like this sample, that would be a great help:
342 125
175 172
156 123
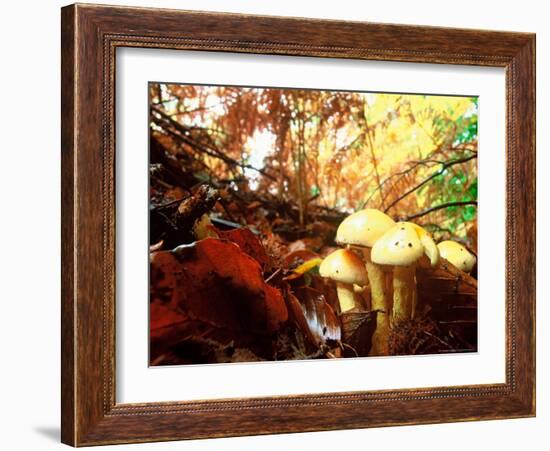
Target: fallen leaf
314 316
212 289
308 266
297 257
445 285
156 247
248 242
357 330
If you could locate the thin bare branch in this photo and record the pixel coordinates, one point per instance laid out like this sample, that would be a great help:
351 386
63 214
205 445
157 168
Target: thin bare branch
431 177
182 135
440 207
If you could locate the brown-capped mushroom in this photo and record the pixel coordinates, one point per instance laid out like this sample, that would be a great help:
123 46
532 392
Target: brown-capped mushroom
346 269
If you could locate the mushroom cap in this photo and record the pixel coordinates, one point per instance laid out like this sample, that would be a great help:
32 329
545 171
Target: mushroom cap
364 227
457 255
399 246
430 248
344 266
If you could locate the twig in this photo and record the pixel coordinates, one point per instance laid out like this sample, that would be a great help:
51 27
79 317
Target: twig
166 205
374 162
403 173
345 345
438 339
431 177
273 275
439 207
209 150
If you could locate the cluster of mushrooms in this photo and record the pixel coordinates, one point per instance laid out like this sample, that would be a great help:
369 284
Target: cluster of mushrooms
390 252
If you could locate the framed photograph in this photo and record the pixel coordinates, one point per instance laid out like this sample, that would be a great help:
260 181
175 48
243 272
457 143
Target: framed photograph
279 225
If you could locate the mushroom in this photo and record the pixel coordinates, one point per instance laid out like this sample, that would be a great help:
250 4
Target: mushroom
457 255
431 251
401 247
346 269
362 229
430 248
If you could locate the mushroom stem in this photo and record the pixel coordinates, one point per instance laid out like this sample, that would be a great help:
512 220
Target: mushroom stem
415 308
379 302
346 297
404 293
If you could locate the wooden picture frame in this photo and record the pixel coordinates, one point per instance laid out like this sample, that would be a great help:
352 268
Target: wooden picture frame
90 36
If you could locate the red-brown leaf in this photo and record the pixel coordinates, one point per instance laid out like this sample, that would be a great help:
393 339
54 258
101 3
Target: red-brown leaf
215 283
248 242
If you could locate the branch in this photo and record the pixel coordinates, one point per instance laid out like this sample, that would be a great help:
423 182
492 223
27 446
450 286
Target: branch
440 207
426 180
429 160
373 157
209 150
401 174
432 226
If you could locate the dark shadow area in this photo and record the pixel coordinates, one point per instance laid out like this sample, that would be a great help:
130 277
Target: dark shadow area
50 432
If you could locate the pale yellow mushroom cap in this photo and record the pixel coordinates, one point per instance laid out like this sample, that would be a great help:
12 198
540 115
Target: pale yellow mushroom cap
399 246
364 227
430 248
457 255
344 266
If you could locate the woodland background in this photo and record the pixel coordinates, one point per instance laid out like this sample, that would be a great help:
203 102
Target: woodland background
412 156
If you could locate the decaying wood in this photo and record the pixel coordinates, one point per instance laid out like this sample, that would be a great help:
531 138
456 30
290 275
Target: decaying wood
173 222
